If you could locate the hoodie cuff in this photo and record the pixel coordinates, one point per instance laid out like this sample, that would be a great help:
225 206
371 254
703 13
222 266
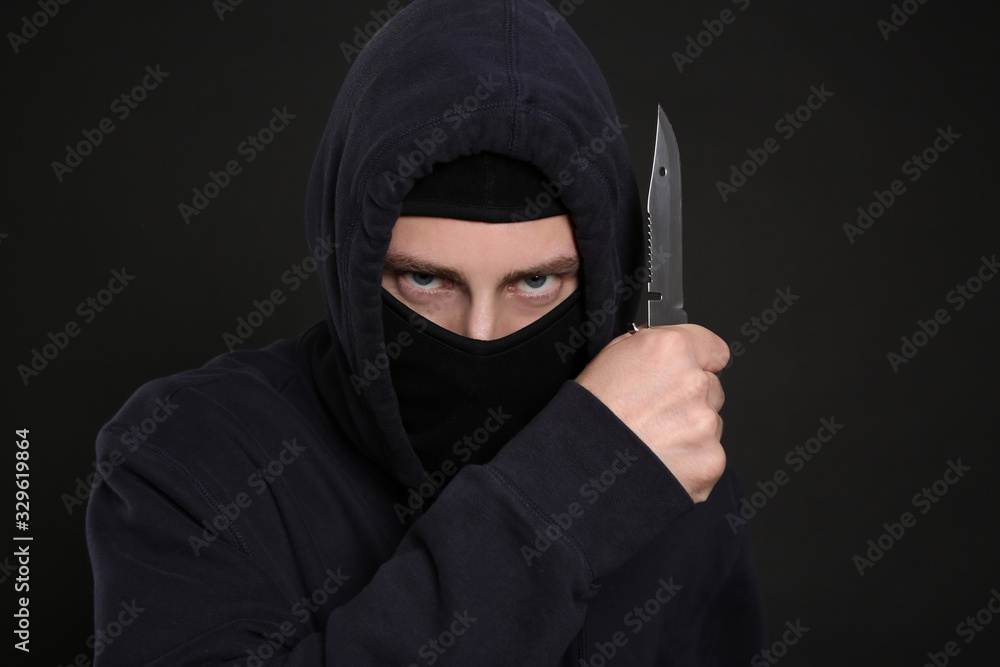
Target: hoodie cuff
589 481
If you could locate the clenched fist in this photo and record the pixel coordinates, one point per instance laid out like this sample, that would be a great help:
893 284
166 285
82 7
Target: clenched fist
661 383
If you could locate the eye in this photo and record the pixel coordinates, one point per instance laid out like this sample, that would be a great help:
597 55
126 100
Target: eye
425 281
536 283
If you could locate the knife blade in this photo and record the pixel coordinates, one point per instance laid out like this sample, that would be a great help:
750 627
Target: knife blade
665 289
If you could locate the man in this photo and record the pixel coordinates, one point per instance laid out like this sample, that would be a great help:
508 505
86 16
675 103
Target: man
468 462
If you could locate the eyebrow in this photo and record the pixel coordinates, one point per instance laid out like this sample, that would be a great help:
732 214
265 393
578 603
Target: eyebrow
560 265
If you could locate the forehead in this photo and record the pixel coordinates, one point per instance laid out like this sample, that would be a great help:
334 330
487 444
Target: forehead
483 248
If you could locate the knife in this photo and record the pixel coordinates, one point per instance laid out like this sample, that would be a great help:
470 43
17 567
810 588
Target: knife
665 289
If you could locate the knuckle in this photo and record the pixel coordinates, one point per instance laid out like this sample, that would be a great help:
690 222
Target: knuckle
671 342
705 425
724 352
697 385
715 345
715 387
714 462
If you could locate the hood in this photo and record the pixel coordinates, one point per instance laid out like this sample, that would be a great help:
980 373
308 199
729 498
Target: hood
443 79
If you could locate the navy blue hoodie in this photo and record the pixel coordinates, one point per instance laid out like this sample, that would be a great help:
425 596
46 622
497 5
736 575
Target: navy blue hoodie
264 509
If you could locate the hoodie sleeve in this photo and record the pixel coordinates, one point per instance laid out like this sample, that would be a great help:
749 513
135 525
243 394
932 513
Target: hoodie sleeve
498 571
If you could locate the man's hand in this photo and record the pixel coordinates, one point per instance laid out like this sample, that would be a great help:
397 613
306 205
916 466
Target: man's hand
661 383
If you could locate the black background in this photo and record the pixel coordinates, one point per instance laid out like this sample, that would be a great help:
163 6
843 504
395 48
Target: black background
826 357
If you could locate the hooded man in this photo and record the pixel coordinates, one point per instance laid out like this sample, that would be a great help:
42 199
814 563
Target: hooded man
465 463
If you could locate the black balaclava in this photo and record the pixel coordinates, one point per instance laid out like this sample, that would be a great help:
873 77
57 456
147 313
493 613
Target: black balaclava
462 399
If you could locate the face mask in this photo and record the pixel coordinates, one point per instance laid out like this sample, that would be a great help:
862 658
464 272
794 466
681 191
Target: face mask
462 399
